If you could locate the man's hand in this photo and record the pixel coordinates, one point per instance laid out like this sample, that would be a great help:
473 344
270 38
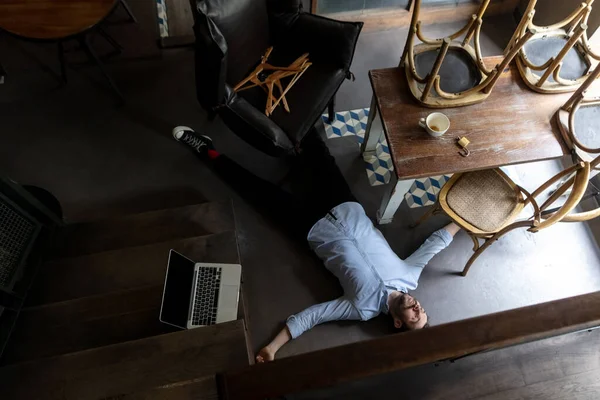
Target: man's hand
265 355
452 228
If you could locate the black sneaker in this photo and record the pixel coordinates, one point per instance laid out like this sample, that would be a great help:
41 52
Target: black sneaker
199 143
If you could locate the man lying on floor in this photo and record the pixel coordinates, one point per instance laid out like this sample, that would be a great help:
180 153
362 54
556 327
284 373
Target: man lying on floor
375 280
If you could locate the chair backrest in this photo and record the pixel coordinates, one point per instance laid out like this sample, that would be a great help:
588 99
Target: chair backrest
590 214
577 183
231 36
573 30
567 115
432 93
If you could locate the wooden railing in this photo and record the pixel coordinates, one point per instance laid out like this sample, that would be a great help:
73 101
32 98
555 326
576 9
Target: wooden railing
396 352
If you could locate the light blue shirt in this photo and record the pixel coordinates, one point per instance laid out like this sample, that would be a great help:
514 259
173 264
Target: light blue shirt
359 256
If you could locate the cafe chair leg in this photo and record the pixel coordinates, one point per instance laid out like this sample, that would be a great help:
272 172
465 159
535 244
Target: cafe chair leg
85 44
118 48
474 257
477 253
476 243
132 17
432 210
488 242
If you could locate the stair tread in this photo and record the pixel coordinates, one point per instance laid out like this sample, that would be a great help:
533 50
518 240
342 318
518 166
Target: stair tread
105 298
128 368
133 267
75 325
144 228
85 323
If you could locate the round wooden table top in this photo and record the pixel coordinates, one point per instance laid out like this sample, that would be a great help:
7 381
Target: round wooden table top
52 19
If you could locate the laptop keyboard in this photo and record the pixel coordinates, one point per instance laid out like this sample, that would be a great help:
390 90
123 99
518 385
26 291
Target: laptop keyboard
207 296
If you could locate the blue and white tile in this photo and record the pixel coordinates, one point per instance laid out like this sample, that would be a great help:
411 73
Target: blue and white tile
347 123
163 24
424 191
379 168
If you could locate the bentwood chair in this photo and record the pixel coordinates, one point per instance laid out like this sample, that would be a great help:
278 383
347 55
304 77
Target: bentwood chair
448 72
487 204
558 58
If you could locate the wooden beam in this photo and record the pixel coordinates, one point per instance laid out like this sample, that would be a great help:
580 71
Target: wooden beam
381 20
400 351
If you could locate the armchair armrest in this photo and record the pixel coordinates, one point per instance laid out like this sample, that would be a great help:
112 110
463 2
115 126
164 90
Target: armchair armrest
254 126
323 38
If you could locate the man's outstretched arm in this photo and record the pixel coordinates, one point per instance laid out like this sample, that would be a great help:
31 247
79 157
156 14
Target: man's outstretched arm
435 243
296 325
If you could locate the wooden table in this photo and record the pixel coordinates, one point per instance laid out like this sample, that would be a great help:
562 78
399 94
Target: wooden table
58 20
514 125
52 19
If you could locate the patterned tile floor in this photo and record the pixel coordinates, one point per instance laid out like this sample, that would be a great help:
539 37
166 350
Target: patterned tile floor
423 192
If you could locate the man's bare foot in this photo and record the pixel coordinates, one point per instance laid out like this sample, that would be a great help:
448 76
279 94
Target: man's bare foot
265 355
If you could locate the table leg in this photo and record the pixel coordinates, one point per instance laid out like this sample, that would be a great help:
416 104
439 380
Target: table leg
392 199
373 132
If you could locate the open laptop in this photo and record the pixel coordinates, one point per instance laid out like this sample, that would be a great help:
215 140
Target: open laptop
199 294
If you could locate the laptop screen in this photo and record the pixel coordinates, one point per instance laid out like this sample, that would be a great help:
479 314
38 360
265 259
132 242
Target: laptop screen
178 290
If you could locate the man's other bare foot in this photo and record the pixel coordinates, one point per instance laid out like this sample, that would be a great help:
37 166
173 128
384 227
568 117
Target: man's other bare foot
265 355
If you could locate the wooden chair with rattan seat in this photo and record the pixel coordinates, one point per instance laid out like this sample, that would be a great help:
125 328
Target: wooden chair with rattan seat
558 58
487 204
448 72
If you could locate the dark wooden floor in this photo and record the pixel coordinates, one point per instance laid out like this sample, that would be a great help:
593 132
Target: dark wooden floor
90 329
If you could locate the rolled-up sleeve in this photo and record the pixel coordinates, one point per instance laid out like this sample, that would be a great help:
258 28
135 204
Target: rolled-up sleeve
335 310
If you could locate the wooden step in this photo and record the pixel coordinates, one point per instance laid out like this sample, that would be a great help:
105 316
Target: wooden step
124 269
90 322
128 368
145 228
86 323
105 298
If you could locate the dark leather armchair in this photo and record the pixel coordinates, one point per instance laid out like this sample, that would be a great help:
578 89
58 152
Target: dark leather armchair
231 37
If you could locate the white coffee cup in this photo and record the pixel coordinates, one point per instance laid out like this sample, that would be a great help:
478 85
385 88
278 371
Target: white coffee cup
436 124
